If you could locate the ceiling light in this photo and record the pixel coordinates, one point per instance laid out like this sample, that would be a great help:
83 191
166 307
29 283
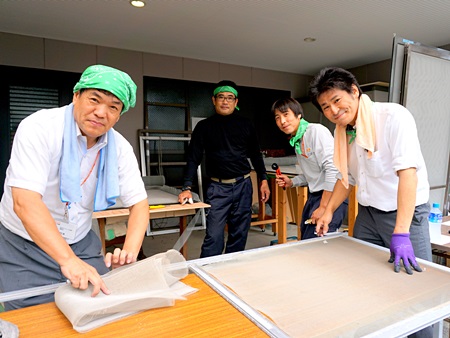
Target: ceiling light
309 39
137 3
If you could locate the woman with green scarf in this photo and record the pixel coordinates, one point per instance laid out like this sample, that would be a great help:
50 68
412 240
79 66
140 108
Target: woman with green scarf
314 147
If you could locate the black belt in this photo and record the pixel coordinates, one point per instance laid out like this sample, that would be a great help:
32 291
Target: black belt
230 180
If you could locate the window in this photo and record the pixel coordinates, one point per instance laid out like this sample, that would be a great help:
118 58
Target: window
24 91
24 101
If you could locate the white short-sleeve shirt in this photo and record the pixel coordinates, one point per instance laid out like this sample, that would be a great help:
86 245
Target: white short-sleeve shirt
397 147
34 165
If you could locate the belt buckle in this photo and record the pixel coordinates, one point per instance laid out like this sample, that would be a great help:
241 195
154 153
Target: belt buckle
230 180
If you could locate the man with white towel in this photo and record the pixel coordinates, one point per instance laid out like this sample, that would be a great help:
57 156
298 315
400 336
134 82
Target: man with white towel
376 148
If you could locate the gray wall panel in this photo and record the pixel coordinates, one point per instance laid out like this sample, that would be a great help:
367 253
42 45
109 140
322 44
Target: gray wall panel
21 51
170 67
68 56
203 71
427 83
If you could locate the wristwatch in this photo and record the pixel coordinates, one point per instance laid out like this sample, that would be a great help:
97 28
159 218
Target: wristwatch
185 188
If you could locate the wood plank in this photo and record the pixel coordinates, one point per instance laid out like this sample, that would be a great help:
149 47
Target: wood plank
352 210
203 314
111 213
170 210
282 202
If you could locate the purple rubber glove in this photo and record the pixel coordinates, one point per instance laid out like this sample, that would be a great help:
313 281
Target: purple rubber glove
401 249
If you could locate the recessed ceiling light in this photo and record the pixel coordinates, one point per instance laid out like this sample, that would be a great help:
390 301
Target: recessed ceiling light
309 39
137 3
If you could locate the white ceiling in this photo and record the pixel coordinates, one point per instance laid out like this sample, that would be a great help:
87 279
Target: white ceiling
264 34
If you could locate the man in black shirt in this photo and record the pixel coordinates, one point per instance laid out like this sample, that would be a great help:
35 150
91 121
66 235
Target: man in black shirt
227 140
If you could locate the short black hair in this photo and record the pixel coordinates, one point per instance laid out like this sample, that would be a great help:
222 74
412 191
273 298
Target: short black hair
331 78
288 103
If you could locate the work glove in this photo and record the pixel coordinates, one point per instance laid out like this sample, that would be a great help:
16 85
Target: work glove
401 249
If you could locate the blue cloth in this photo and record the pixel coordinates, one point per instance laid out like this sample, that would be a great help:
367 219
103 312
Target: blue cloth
107 189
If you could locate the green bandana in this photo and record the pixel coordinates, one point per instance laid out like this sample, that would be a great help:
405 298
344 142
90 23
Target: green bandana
113 80
352 133
295 140
225 89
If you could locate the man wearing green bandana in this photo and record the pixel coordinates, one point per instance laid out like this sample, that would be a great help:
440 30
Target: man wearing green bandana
314 146
66 163
227 140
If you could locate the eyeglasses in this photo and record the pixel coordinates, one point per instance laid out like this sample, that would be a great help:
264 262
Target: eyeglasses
225 98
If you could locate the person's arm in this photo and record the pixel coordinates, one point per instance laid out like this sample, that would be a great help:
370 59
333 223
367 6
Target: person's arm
401 247
265 191
137 225
406 199
326 196
284 181
254 153
323 143
340 193
193 160
41 227
258 165
401 133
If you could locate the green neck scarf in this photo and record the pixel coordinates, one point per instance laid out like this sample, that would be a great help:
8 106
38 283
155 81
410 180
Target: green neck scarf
352 132
295 141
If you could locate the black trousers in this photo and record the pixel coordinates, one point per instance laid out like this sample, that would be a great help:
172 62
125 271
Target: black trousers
24 265
230 204
312 203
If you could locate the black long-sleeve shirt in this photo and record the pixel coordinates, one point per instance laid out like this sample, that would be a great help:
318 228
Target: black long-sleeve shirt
227 141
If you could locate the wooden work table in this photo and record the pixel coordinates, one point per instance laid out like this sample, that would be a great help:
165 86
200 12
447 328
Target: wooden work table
172 210
203 314
290 201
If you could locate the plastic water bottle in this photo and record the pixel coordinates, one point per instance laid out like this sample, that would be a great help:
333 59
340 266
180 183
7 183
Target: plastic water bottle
434 222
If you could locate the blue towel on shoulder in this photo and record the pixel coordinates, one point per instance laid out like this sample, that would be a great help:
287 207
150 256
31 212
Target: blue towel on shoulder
107 189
